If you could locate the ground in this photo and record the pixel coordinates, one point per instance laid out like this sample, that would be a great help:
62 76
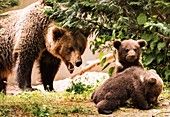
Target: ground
79 105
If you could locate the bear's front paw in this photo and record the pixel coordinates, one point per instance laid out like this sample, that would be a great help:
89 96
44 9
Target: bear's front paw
103 111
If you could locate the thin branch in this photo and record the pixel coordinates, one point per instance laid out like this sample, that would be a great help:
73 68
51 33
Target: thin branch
161 113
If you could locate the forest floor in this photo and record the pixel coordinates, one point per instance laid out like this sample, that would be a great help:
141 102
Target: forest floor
61 103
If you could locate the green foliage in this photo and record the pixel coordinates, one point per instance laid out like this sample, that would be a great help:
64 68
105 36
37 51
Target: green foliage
4 4
141 19
79 88
121 19
41 110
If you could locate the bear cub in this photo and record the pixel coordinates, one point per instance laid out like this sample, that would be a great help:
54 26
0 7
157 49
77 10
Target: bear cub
142 86
128 54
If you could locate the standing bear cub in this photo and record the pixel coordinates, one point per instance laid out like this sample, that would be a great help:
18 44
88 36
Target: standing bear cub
142 86
128 54
27 35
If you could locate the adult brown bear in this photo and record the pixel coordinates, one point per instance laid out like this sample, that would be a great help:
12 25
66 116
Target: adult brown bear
27 35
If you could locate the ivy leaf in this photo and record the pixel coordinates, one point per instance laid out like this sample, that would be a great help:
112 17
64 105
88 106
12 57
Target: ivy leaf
99 39
135 3
141 19
148 51
152 45
146 37
161 45
155 38
111 71
148 59
101 54
160 57
167 73
168 53
103 61
156 51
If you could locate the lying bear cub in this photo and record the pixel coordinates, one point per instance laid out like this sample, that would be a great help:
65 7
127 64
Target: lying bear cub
142 86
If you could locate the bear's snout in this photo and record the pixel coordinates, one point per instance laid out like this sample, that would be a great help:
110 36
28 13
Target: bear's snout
153 100
70 67
131 56
78 62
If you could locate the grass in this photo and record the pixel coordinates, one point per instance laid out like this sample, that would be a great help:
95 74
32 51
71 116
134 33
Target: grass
52 104
47 104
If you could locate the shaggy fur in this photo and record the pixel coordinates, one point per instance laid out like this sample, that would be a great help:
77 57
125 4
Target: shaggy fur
128 54
142 86
27 36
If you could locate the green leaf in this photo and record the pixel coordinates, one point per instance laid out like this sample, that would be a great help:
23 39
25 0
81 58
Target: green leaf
141 19
155 39
148 24
103 61
167 72
156 51
148 51
152 45
168 53
161 45
111 71
135 3
148 59
99 39
145 37
159 57
101 54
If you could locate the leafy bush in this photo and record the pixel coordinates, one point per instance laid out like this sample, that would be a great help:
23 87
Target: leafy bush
4 4
78 88
121 19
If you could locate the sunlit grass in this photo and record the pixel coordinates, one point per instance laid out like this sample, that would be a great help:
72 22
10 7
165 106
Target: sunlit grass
44 104
52 104
166 92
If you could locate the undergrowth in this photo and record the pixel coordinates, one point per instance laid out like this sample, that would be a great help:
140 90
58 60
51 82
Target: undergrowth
52 104
41 104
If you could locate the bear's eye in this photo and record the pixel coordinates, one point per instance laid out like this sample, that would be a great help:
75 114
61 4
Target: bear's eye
81 50
135 50
127 50
71 49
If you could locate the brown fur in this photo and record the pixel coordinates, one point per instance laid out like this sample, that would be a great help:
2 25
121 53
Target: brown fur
142 86
27 36
67 48
128 54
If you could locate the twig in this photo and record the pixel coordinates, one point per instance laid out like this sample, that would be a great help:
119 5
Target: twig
160 113
4 14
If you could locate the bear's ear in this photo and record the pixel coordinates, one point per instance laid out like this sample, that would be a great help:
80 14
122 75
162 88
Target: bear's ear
142 43
58 32
116 44
152 81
